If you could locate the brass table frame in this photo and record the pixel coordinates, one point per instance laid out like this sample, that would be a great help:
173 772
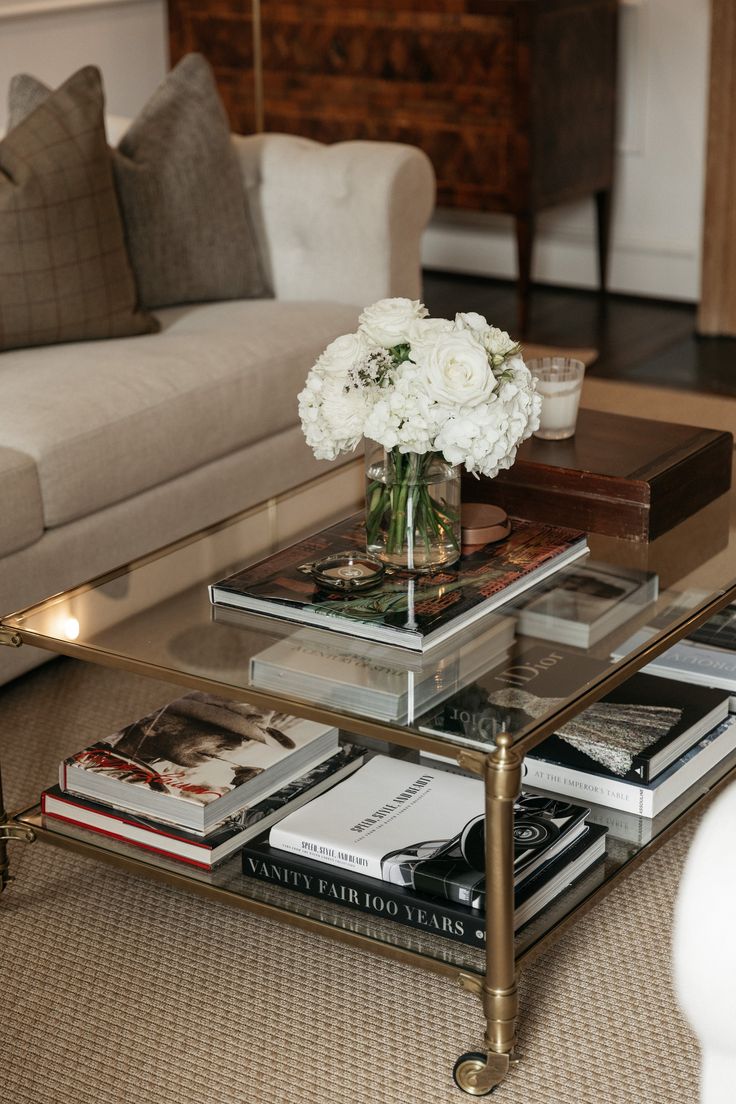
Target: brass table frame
476 1074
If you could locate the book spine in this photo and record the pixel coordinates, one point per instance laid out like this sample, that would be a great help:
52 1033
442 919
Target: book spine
381 900
588 787
118 828
284 839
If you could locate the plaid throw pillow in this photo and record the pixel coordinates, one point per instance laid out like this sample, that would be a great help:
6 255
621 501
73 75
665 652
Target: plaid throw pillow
64 268
186 218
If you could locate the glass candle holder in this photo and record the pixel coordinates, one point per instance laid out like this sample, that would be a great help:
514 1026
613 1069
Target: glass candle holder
560 383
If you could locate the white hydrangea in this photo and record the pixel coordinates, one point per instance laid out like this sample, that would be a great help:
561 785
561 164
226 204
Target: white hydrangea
463 390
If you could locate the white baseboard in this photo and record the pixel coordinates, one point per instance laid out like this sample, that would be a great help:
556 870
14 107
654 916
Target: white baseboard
485 245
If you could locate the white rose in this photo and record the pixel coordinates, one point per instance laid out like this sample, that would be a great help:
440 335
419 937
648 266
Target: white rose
469 320
343 354
423 330
497 343
456 370
388 321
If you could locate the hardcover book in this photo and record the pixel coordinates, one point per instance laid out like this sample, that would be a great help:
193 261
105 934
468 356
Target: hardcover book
692 660
404 905
375 681
634 732
637 730
526 686
414 826
201 851
634 827
197 761
647 800
411 612
586 602
718 631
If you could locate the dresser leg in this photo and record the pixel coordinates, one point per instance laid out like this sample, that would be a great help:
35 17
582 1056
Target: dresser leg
478 1074
603 204
525 225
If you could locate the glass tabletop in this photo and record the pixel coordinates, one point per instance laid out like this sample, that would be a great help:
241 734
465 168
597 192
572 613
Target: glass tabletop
521 668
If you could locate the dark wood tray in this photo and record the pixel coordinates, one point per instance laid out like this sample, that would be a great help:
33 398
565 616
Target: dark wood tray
624 477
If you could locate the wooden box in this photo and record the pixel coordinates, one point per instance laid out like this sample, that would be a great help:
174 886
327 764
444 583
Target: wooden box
625 477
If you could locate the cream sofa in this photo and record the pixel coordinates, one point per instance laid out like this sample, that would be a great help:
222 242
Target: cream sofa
111 449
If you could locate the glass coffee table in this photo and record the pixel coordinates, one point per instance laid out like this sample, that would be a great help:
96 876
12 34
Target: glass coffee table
154 617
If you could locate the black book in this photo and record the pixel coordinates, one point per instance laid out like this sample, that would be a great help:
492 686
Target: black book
637 730
411 612
634 733
718 631
438 916
530 683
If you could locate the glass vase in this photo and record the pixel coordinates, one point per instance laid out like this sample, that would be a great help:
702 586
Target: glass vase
412 513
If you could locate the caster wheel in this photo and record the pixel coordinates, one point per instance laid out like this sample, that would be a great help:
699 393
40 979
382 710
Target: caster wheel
468 1074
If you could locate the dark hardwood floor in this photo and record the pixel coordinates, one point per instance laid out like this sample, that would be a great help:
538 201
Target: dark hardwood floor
640 340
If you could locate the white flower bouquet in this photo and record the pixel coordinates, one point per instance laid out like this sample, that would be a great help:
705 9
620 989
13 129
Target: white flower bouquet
434 394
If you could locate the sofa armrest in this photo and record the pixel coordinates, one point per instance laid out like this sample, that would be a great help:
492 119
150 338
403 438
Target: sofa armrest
341 222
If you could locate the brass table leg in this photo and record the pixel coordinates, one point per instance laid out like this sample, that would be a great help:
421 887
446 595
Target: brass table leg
479 1074
8 828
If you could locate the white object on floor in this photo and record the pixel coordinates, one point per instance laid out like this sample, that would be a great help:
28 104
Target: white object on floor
704 947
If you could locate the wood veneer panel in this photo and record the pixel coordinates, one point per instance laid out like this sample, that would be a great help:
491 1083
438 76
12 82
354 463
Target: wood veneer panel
717 312
631 478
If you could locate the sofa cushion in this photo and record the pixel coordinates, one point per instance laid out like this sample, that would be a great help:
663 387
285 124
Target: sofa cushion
104 421
64 269
21 512
178 179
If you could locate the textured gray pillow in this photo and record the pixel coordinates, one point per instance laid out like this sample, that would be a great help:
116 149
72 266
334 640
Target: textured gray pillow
64 269
180 189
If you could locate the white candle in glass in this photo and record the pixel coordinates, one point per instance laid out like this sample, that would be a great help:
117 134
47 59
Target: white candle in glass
559 382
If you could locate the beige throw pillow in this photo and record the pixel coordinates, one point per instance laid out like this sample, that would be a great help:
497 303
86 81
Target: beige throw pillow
64 269
181 193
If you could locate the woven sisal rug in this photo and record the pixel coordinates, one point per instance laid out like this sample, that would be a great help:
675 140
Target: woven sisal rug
123 991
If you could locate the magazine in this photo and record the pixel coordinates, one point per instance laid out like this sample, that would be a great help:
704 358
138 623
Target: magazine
403 609
197 761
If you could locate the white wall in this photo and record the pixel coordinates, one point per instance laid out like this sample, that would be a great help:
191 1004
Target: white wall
661 147
51 39
660 160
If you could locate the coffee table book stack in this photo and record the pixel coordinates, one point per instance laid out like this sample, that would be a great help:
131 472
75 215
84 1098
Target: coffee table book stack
197 778
407 843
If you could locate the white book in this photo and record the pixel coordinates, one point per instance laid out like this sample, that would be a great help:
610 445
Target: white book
582 604
197 760
688 661
410 825
644 799
377 682
384 807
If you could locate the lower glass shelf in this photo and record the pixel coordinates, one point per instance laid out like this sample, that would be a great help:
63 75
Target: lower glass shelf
414 945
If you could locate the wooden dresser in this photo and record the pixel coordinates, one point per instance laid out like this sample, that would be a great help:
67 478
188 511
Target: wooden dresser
513 100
